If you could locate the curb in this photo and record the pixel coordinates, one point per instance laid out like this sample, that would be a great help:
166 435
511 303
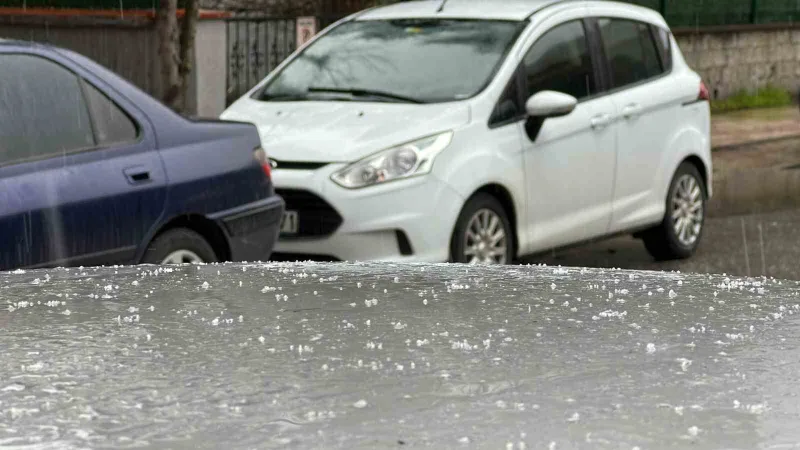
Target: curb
755 191
741 145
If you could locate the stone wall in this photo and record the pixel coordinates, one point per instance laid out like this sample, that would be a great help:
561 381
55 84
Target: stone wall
743 57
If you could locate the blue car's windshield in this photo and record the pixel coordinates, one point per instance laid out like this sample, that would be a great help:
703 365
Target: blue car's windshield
397 60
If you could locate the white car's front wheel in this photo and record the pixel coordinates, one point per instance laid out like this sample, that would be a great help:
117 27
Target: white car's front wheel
678 235
483 233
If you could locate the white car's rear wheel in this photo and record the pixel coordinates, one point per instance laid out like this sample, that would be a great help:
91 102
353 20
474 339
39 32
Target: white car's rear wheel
678 235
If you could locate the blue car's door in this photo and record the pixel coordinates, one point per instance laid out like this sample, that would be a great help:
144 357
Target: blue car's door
80 179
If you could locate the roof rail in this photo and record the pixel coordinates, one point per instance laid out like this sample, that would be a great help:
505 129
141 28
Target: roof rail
358 14
549 3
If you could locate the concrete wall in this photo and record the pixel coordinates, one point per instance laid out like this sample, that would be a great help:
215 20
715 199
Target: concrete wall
755 191
210 59
743 57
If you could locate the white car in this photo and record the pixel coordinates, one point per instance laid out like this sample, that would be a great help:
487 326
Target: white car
480 131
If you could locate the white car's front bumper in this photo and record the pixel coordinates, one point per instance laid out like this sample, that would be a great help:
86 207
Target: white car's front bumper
373 220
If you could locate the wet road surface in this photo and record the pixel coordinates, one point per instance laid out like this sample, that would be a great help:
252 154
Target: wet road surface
752 245
386 356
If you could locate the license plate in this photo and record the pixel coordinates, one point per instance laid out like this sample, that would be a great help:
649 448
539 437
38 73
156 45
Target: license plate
290 224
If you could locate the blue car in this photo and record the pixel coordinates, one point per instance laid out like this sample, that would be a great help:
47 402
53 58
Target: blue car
93 171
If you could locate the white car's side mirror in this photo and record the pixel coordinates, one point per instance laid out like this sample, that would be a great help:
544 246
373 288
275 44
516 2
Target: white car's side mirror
546 104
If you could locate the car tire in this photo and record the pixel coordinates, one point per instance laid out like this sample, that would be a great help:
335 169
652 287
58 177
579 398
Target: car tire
686 201
178 246
477 235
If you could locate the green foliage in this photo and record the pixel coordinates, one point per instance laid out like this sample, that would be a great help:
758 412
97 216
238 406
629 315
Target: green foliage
767 97
691 13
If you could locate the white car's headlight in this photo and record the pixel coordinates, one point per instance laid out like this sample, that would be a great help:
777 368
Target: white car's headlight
413 158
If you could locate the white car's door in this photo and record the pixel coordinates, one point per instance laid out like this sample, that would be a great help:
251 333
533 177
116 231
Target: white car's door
649 113
570 163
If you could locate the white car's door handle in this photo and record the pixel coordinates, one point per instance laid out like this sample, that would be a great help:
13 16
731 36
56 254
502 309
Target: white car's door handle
600 121
631 111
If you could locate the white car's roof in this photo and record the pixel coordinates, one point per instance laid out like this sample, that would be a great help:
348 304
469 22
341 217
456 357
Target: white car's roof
516 10
461 9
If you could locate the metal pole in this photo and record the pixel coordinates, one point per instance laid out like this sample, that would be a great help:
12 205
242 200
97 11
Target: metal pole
227 62
247 29
753 11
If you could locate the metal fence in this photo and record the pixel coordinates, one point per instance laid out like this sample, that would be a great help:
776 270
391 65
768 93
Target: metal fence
256 45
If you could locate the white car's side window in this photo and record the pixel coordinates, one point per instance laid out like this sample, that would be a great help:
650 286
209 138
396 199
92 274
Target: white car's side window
631 51
561 61
664 47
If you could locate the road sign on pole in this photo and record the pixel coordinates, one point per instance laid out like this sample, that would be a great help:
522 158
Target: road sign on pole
306 29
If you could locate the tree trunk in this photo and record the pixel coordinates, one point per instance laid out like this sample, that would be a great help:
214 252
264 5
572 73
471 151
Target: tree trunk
176 50
185 67
167 26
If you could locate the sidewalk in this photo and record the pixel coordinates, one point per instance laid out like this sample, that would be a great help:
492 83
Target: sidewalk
743 128
760 172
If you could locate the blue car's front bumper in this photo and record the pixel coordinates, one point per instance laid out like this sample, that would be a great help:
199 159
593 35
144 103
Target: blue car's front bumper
252 229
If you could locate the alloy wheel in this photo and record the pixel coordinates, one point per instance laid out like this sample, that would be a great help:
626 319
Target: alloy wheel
687 210
182 257
485 240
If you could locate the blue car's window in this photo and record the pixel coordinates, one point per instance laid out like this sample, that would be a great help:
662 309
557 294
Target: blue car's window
42 110
111 124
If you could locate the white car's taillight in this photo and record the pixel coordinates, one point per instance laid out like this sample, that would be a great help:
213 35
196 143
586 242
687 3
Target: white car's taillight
704 95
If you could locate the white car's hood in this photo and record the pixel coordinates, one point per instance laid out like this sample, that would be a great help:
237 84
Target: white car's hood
342 131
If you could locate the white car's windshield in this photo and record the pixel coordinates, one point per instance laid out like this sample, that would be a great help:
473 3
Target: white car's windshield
418 61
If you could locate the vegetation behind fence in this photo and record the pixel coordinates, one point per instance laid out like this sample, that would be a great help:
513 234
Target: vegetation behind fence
690 13
682 13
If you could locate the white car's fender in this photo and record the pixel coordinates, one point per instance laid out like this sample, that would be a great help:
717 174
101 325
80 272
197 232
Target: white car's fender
469 167
687 143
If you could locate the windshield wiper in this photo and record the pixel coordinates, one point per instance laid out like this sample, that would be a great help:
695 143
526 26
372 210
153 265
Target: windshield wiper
366 93
284 97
